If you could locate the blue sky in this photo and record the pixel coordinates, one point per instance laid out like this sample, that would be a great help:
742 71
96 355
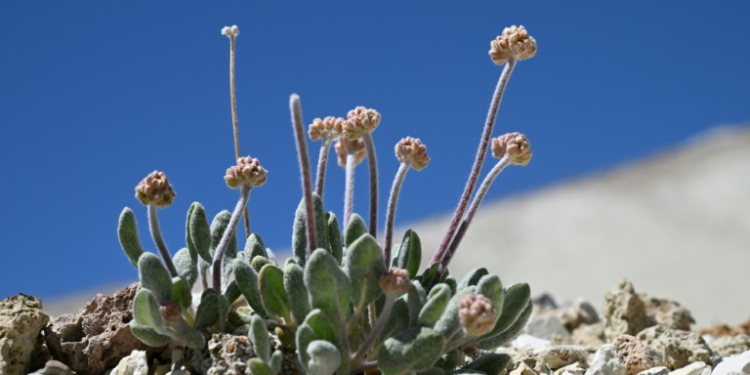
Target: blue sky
95 95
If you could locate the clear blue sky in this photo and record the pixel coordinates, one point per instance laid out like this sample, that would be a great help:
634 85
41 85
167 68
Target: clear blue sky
95 95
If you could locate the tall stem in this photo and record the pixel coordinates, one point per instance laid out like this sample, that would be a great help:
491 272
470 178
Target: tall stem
153 225
304 166
320 176
349 191
375 332
390 215
481 193
228 233
235 122
477 168
372 163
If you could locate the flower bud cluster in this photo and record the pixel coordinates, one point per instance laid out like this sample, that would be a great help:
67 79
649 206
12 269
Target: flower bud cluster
514 42
156 189
476 314
360 121
515 145
395 282
248 171
328 128
412 151
230 31
344 146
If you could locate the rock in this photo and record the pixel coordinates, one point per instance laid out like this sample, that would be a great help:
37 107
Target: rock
562 355
661 370
677 348
21 322
589 335
581 312
527 341
53 367
636 355
606 362
523 369
668 313
229 354
625 313
134 364
571 369
735 365
545 327
726 346
97 337
695 368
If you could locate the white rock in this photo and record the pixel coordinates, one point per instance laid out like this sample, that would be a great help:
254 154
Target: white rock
557 356
661 370
735 365
695 368
546 326
606 362
528 341
571 369
134 364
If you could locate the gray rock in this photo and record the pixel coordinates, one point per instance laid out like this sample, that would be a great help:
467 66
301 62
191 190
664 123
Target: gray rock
229 354
134 364
735 365
695 368
21 322
637 356
561 355
625 313
661 370
580 312
606 362
668 313
545 327
726 346
678 348
97 337
571 369
53 367
589 335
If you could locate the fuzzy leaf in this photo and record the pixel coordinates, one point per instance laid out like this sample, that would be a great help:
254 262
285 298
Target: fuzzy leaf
328 286
325 358
208 309
415 349
436 303
258 367
271 284
127 232
232 292
155 277
276 361
188 238
410 253
335 246
255 247
363 263
354 229
491 287
259 337
294 284
510 333
432 371
316 326
516 298
398 321
299 231
247 282
490 363
218 227
146 310
187 269
271 256
416 298
148 335
182 293
193 339
199 232
258 262
472 278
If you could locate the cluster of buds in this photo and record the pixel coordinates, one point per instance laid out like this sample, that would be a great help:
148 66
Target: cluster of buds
411 151
395 282
328 128
248 171
476 314
230 31
514 42
360 121
156 189
170 311
515 146
344 146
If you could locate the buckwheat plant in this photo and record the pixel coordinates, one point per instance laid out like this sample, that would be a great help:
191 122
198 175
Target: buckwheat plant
344 302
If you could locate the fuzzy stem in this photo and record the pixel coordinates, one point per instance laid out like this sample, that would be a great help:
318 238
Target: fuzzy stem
481 193
202 273
228 233
304 166
235 122
153 225
372 163
390 301
320 176
477 168
390 216
349 192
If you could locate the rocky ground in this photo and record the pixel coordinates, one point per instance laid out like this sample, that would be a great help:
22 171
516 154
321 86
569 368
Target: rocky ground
634 334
